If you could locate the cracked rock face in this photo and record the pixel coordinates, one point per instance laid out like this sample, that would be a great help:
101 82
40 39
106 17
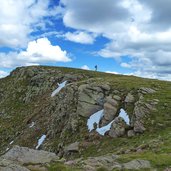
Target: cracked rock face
90 99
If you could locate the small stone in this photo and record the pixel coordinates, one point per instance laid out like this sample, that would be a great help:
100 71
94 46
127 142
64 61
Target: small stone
116 97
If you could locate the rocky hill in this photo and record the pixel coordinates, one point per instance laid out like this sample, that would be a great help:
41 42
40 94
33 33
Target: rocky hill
84 120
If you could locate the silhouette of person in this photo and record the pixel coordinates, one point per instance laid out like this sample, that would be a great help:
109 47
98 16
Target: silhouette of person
95 67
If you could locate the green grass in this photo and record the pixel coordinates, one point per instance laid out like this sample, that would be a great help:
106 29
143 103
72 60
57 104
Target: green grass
19 113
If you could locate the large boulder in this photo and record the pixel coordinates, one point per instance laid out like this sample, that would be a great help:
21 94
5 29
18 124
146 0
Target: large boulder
24 155
117 128
7 165
90 99
129 98
110 111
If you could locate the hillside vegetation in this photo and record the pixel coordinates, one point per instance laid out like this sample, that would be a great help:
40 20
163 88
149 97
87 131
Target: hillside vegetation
28 110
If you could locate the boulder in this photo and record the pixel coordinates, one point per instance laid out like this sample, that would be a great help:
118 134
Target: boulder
137 164
129 98
131 133
146 90
117 128
110 111
90 100
24 155
7 165
116 97
139 127
74 147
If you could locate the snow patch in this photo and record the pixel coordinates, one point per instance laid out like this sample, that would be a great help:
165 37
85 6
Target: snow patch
7 149
60 86
95 118
11 142
104 129
125 116
32 124
40 141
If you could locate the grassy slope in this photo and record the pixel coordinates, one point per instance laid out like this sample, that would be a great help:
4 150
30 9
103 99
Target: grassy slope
156 140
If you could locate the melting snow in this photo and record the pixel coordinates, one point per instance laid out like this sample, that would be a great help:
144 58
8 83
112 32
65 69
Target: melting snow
60 86
40 141
11 142
124 115
95 118
32 124
104 129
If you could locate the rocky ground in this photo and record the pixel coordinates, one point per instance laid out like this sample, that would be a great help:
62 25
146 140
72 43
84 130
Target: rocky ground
34 116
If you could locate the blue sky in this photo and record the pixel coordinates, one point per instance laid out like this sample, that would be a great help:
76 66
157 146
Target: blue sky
131 37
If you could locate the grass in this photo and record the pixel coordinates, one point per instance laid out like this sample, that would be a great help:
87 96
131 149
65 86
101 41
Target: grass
18 113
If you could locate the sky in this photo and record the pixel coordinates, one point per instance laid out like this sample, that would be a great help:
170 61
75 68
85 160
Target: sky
131 37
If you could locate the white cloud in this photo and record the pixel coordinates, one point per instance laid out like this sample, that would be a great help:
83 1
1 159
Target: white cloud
3 74
134 28
19 18
80 37
37 52
85 67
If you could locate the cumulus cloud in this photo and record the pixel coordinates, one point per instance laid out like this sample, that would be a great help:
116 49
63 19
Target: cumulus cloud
37 52
3 74
85 67
80 37
134 28
19 18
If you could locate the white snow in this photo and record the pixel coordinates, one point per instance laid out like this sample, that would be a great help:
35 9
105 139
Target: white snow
124 115
7 149
95 118
40 141
60 86
11 142
104 129
32 124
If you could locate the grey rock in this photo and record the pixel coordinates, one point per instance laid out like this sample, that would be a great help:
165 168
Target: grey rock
139 127
131 133
146 90
105 87
7 165
25 155
137 164
108 161
85 109
129 98
74 147
117 128
110 111
90 100
116 97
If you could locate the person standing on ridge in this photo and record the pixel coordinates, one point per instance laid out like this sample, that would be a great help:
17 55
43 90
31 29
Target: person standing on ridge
95 67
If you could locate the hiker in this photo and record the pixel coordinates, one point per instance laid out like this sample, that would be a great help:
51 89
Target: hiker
95 67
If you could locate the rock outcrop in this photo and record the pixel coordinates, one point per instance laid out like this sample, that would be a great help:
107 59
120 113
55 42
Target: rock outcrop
91 98
110 111
24 155
117 128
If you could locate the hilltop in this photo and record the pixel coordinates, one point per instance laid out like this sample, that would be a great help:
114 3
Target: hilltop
65 110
